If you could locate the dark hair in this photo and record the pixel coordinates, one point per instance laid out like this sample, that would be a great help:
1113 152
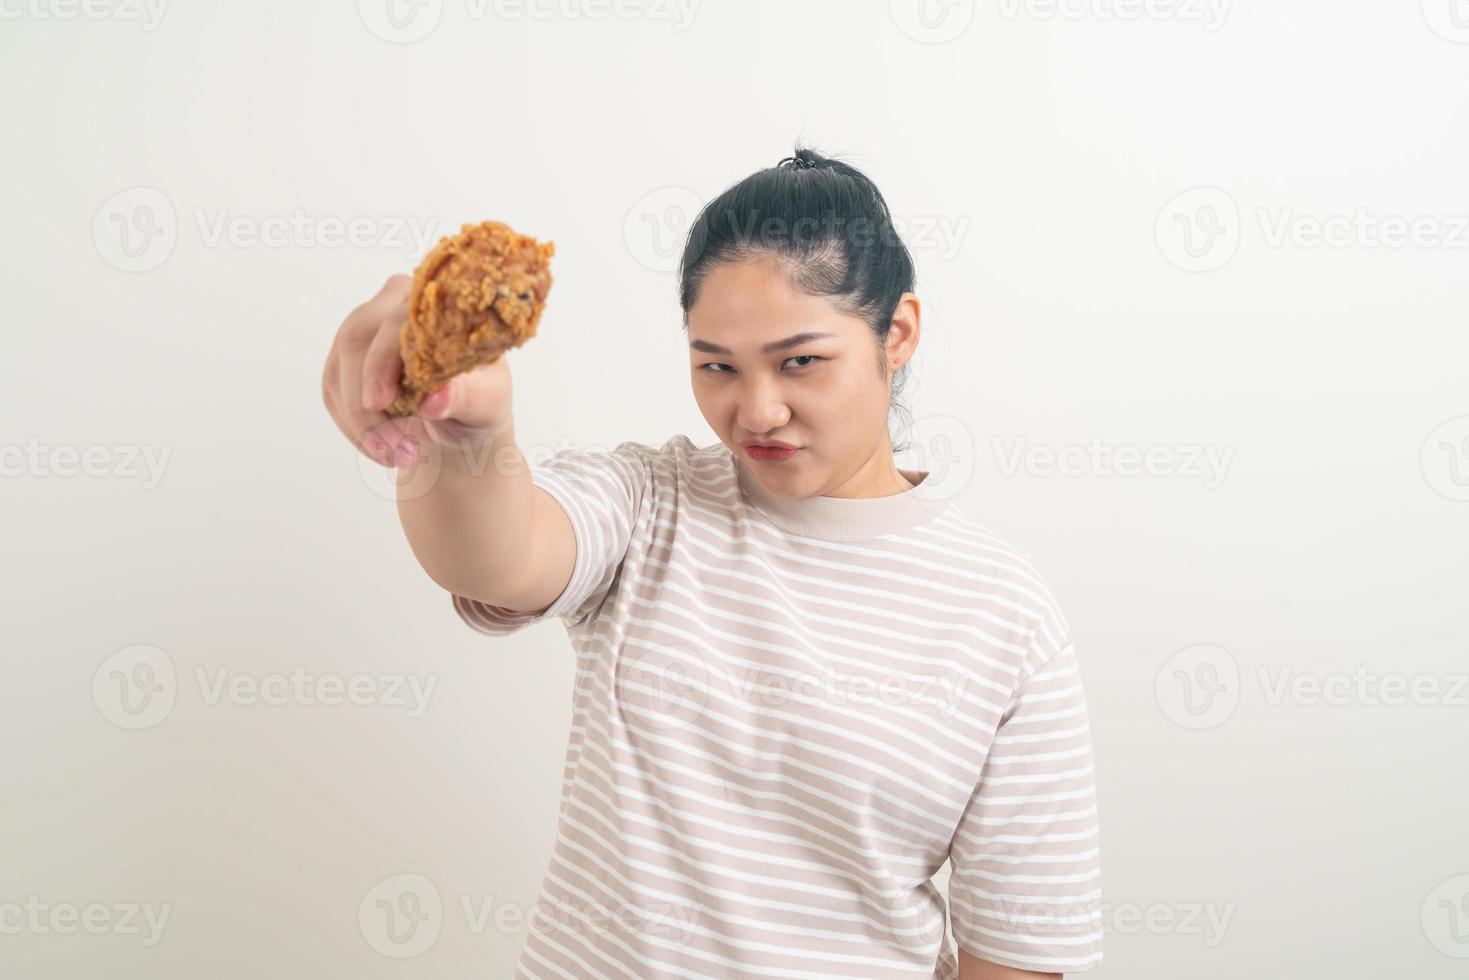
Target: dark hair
827 225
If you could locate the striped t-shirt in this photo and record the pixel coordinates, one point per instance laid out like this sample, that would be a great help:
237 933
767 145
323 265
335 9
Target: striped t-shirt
787 714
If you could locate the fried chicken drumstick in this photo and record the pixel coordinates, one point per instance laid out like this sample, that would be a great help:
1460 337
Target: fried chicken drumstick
474 296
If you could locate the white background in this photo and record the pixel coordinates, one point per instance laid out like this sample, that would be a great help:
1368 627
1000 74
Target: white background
1046 164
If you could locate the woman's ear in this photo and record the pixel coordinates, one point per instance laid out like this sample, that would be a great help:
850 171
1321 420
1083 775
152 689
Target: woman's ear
902 339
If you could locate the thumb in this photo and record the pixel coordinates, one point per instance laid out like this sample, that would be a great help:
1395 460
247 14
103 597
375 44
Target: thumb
441 404
464 399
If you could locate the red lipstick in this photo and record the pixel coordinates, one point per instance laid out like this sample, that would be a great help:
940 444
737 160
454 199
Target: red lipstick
771 450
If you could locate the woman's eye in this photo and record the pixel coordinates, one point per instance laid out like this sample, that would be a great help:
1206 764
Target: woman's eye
710 367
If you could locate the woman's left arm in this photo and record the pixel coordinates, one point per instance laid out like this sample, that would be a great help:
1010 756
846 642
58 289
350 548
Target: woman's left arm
974 968
1025 861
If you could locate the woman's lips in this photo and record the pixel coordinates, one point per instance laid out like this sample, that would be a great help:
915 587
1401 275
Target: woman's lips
768 453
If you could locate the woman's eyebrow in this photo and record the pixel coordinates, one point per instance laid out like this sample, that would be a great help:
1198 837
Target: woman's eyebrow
789 342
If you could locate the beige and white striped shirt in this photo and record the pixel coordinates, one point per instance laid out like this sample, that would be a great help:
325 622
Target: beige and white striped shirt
787 714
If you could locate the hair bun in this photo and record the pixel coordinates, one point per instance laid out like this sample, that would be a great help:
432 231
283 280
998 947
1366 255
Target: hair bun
803 160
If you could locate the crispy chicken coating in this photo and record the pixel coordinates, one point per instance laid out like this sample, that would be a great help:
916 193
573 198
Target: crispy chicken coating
474 296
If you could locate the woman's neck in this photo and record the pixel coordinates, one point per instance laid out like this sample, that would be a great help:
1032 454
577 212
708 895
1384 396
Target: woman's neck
878 477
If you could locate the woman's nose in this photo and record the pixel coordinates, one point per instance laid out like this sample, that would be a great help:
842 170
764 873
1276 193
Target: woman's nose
763 411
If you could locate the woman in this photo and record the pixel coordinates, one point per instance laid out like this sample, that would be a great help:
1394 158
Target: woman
805 679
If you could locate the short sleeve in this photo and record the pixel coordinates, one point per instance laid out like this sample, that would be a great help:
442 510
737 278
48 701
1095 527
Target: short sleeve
1025 862
602 492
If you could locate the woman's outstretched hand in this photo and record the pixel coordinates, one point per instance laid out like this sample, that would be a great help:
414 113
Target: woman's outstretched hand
361 377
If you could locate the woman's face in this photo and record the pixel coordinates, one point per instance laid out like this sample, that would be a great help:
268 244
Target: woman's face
769 363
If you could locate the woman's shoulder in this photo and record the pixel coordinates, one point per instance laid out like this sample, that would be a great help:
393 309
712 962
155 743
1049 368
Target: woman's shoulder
996 566
677 446
675 473
677 452
678 458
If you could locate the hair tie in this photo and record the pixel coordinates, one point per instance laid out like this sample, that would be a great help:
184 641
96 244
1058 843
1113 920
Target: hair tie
799 163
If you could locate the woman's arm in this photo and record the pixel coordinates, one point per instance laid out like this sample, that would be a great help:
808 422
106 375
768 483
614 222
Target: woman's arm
481 529
973 968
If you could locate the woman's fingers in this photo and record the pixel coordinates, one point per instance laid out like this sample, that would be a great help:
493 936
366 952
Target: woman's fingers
366 442
359 422
383 364
368 336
